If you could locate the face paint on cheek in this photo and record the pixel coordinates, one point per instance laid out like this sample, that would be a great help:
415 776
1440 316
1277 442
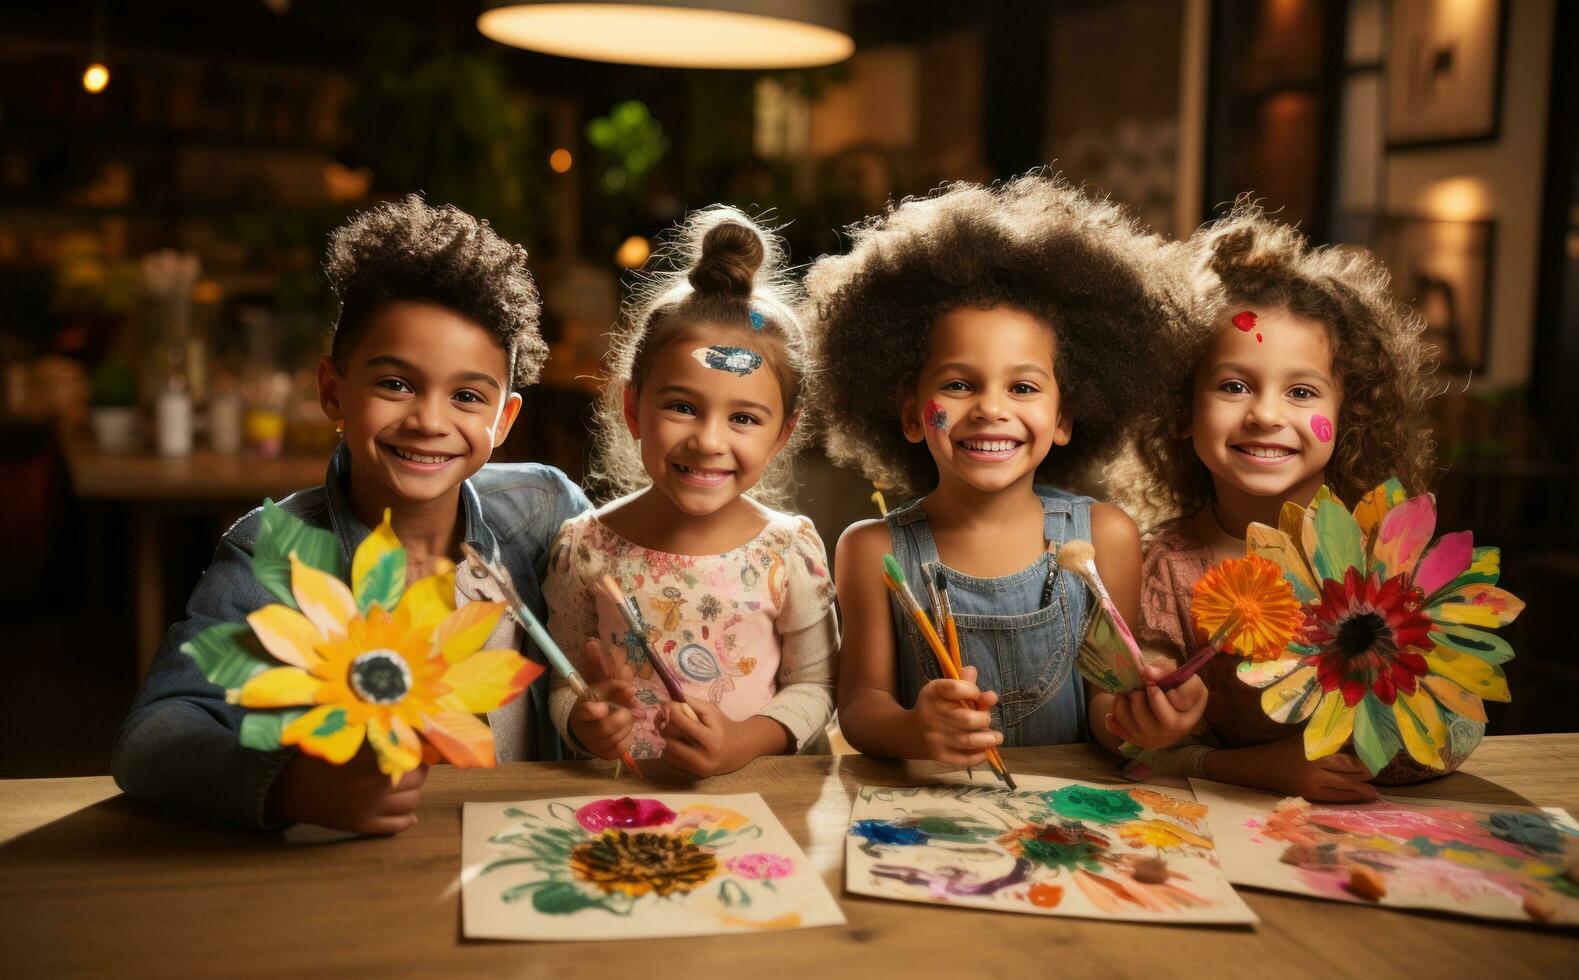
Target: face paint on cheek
936 416
1321 427
735 360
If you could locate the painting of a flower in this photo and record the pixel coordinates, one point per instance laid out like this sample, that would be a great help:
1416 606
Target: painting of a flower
378 661
1394 639
636 864
624 813
761 867
623 868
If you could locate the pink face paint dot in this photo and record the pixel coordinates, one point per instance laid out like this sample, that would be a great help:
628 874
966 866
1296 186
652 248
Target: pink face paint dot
936 416
1245 320
1321 426
1258 338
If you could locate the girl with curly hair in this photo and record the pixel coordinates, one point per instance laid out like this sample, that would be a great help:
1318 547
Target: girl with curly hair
973 345
697 426
1303 371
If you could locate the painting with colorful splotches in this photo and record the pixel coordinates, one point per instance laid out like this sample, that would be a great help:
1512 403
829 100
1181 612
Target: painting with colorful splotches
1053 847
594 868
1514 863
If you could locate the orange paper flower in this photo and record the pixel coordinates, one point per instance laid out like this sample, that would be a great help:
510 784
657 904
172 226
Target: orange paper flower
1251 604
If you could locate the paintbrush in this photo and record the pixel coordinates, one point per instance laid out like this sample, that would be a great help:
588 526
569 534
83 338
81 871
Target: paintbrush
610 587
946 611
894 578
1189 668
937 588
1080 557
529 622
882 505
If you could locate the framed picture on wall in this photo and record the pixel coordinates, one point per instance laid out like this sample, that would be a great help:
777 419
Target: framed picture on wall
1444 71
1443 270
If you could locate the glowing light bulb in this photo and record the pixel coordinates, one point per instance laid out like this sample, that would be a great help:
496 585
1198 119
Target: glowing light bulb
633 252
95 78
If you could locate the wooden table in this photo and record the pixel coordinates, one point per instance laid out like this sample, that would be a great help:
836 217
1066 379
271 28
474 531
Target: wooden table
92 883
152 484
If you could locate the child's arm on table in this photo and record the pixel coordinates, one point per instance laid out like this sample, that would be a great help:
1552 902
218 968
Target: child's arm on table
1281 767
178 748
1149 718
943 725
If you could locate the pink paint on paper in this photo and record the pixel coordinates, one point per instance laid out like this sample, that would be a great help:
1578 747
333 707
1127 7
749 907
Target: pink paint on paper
1321 426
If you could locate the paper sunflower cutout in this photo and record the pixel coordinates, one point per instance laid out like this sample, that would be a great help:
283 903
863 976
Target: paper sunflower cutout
1395 626
330 666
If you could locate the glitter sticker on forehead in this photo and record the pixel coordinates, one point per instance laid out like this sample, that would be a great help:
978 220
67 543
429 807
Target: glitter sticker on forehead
756 319
736 360
936 416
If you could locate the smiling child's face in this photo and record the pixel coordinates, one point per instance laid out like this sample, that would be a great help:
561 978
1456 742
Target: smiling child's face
709 418
424 398
1266 405
987 402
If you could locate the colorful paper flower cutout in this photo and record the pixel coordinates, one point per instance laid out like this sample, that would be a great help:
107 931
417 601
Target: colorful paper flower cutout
1249 603
377 661
1395 626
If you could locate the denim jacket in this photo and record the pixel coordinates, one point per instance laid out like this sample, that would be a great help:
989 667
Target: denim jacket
178 748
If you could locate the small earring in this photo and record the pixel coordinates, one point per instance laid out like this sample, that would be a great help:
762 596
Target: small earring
339 428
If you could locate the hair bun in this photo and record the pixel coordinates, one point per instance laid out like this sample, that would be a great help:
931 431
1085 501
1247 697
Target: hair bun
730 256
1250 251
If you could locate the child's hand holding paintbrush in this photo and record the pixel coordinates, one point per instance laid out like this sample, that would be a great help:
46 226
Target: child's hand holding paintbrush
606 727
1157 713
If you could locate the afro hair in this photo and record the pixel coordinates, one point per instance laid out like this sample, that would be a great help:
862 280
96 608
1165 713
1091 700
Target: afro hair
408 251
1035 243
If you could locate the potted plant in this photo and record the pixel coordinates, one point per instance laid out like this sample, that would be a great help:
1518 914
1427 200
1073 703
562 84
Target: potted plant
114 401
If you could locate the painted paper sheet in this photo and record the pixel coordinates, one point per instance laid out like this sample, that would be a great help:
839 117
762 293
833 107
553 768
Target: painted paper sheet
1054 847
592 868
1461 858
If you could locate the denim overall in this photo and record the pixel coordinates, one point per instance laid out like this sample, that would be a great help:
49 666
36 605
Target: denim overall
1019 631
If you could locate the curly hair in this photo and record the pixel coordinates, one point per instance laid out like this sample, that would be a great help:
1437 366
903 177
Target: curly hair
717 271
408 251
1383 366
1036 243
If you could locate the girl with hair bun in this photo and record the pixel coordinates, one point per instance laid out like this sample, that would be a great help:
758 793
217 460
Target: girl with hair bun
698 422
1300 371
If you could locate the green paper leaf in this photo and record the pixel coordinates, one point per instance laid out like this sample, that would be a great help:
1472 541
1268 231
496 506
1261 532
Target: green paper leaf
261 730
228 654
1489 647
1376 737
280 536
384 583
1339 546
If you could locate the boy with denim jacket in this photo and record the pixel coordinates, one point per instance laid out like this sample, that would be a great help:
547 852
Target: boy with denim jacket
437 326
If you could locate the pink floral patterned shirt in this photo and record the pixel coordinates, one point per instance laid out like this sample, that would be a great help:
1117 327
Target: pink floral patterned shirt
718 621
